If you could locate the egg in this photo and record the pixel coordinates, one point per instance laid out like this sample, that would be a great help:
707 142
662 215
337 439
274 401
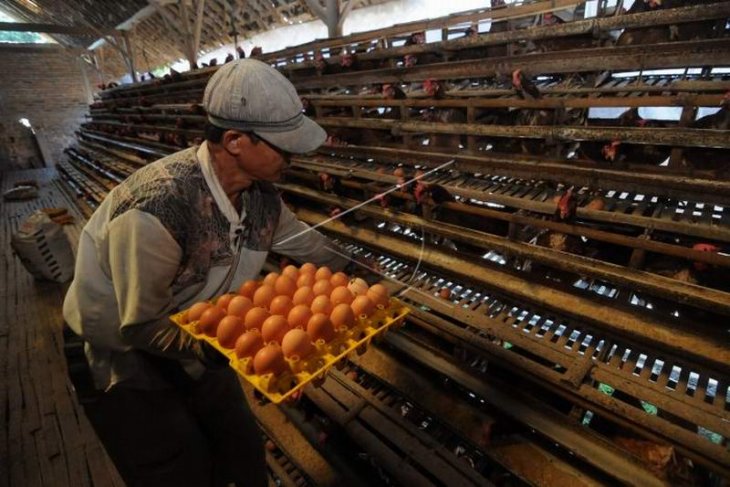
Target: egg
445 293
271 278
281 305
306 280
341 295
378 294
263 296
308 268
596 204
269 360
291 272
209 320
399 172
299 316
193 314
303 295
323 272
358 286
362 305
322 287
249 343
229 329
255 318
339 279
248 288
321 304
342 316
296 343
239 306
285 285
319 327
223 301
274 329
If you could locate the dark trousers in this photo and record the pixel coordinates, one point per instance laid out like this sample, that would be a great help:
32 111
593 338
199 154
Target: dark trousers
195 433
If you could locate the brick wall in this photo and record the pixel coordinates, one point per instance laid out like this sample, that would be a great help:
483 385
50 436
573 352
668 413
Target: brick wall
45 85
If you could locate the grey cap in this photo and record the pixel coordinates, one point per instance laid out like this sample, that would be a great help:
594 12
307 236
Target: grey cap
251 96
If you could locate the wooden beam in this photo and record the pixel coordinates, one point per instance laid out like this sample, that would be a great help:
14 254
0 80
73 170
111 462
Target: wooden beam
660 56
71 30
630 135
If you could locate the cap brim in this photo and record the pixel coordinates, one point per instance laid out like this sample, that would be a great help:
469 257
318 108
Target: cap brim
305 138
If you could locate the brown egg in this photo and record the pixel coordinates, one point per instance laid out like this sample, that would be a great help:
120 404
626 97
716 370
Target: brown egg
249 343
339 279
263 296
319 327
306 280
323 272
248 288
229 329
270 278
239 306
445 293
193 314
362 305
596 204
322 287
296 343
281 305
378 294
291 272
285 285
342 316
209 320
308 268
358 286
274 329
341 295
223 301
255 318
299 316
269 360
321 304
303 295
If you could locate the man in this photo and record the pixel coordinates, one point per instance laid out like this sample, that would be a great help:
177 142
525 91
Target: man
186 228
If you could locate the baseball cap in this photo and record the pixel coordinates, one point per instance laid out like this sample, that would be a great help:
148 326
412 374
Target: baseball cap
251 96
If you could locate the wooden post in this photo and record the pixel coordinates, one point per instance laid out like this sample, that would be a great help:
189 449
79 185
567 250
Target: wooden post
688 115
130 55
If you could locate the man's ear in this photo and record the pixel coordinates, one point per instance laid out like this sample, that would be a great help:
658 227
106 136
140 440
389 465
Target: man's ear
232 141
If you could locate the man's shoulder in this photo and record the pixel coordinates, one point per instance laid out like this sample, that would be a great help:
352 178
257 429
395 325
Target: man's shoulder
160 187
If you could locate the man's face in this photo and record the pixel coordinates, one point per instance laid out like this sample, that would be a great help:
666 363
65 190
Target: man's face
260 159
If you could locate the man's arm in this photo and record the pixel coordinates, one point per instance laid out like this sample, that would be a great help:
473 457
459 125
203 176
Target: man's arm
298 240
144 260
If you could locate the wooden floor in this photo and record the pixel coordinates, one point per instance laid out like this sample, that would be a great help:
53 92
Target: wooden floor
45 437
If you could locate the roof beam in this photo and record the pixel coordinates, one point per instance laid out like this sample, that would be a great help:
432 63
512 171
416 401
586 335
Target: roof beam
72 30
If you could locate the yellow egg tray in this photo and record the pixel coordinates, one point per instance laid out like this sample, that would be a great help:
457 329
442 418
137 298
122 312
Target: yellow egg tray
279 388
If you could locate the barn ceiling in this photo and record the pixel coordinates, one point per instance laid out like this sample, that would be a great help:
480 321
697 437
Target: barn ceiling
156 40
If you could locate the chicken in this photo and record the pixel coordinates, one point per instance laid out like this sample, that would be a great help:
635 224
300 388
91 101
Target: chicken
524 87
644 35
619 153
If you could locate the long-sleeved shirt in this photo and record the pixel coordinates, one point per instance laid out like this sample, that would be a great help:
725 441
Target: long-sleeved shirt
167 237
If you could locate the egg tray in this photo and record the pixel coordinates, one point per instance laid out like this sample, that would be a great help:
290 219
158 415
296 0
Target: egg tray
279 388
